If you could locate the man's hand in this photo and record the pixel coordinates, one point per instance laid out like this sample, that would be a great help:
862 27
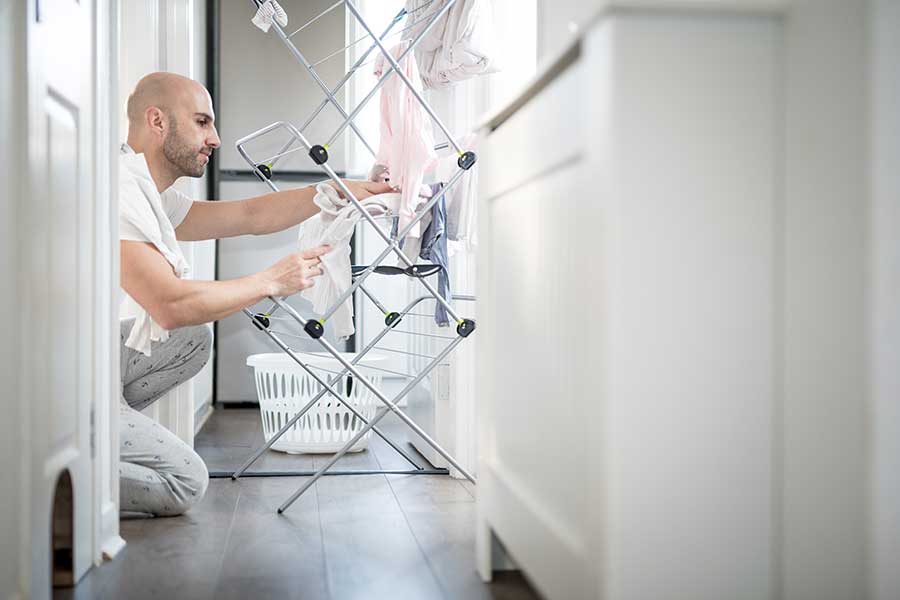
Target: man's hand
294 272
172 302
364 189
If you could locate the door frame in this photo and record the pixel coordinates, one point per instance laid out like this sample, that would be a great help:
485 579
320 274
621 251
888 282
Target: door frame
107 541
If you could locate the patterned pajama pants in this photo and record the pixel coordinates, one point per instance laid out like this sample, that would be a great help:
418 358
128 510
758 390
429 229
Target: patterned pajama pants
159 474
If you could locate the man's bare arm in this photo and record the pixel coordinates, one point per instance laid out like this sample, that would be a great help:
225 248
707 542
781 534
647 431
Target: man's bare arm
261 215
172 302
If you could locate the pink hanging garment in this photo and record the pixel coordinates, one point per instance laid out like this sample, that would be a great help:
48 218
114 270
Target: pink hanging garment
407 142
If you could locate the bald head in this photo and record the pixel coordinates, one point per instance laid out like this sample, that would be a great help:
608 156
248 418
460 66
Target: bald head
171 122
161 90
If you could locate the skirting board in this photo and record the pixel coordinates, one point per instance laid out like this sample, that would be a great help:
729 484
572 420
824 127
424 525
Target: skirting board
551 555
201 416
112 543
112 547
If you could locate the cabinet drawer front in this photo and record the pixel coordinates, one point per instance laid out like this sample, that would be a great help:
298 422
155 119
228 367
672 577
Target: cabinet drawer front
535 141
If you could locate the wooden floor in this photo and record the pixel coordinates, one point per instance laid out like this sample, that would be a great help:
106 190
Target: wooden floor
367 537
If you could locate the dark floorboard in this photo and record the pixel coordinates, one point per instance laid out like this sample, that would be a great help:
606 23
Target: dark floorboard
348 537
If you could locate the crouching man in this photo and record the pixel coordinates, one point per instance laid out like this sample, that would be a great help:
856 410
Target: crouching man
165 336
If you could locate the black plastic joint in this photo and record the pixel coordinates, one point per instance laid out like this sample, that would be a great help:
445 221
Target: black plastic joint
314 329
319 154
466 160
261 322
264 170
466 327
391 318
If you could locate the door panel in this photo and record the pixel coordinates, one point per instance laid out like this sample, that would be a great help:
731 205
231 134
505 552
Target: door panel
60 272
62 218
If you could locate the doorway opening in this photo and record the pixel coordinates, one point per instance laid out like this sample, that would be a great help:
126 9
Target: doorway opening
62 539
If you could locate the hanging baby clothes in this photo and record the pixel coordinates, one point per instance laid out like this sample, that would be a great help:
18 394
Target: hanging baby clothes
459 46
406 149
334 225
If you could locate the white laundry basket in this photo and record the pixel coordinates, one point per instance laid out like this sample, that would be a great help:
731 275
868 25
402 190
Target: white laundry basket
283 388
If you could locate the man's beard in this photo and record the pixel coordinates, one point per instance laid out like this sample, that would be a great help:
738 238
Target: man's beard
184 158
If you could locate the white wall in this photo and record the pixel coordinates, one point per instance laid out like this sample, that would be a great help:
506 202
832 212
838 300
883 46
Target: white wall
170 35
261 82
884 300
238 257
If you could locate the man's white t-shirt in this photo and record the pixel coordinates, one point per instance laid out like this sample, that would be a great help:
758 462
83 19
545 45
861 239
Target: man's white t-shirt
145 215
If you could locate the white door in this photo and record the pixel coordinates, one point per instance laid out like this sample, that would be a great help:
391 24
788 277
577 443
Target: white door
59 275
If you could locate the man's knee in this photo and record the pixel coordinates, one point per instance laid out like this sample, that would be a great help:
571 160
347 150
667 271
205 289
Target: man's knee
195 480
188 484
159 473
198 477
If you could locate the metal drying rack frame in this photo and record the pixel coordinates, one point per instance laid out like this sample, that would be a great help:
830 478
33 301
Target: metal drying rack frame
315 328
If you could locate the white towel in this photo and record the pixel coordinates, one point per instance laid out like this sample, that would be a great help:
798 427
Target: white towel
267 13
140 208
334 225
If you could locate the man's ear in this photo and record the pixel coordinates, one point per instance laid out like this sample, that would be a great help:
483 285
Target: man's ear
156 120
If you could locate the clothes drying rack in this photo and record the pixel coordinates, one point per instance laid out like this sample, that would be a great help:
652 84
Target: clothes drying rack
314 328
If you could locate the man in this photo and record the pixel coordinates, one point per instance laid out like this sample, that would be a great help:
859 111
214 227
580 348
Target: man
165 342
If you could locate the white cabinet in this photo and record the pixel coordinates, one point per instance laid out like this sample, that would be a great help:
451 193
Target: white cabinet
627 282
685 304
